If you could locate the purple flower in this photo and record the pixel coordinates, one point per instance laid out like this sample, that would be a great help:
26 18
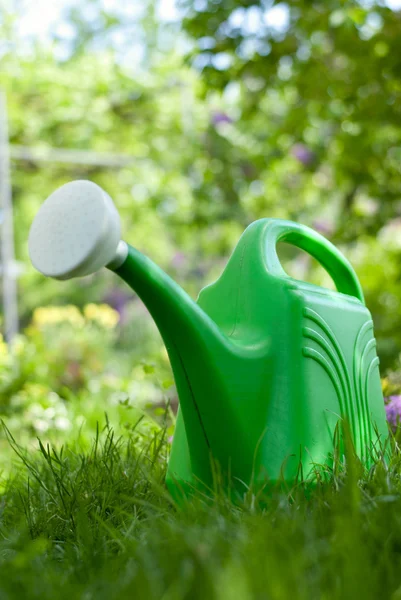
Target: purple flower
118 300
179 260
323 226
393 410
219 117
303 154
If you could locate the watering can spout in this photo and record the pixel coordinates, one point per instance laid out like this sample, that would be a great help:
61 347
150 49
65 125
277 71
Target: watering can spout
195 346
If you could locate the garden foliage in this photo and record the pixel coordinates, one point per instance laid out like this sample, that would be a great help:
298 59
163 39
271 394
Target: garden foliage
243 110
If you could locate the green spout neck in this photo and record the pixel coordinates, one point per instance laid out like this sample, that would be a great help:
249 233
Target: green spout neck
193 342
181 322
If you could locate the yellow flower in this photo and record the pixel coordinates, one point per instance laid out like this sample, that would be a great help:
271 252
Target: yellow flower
35 390
53 315
102 314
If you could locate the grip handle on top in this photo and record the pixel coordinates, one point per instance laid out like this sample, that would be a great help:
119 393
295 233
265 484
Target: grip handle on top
331 259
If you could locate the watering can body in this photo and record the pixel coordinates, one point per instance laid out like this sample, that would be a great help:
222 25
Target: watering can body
297 360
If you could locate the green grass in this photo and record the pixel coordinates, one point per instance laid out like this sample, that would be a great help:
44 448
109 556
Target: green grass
98 524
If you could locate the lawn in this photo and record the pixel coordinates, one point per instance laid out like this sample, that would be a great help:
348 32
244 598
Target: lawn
84 512
98 523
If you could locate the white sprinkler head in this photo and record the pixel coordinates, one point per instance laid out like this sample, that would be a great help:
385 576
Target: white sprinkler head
76 232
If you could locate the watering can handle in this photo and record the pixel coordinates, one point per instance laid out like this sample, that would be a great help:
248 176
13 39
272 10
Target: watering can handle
337 266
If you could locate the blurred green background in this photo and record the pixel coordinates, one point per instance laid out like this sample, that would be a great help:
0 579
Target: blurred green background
205 115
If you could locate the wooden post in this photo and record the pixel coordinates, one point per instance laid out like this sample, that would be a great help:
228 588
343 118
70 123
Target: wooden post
9 275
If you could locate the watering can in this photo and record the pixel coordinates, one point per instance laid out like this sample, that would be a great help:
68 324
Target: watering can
266 366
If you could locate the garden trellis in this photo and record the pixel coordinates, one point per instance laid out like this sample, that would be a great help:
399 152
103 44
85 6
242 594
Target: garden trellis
8 265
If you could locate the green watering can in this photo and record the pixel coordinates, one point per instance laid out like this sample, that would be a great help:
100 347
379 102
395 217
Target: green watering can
265 365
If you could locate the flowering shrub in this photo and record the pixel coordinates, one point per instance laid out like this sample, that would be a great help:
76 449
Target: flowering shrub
61 349
66 371
42 408
391 386
393 410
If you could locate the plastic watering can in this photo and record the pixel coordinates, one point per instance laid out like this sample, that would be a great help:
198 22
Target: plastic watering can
266 366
